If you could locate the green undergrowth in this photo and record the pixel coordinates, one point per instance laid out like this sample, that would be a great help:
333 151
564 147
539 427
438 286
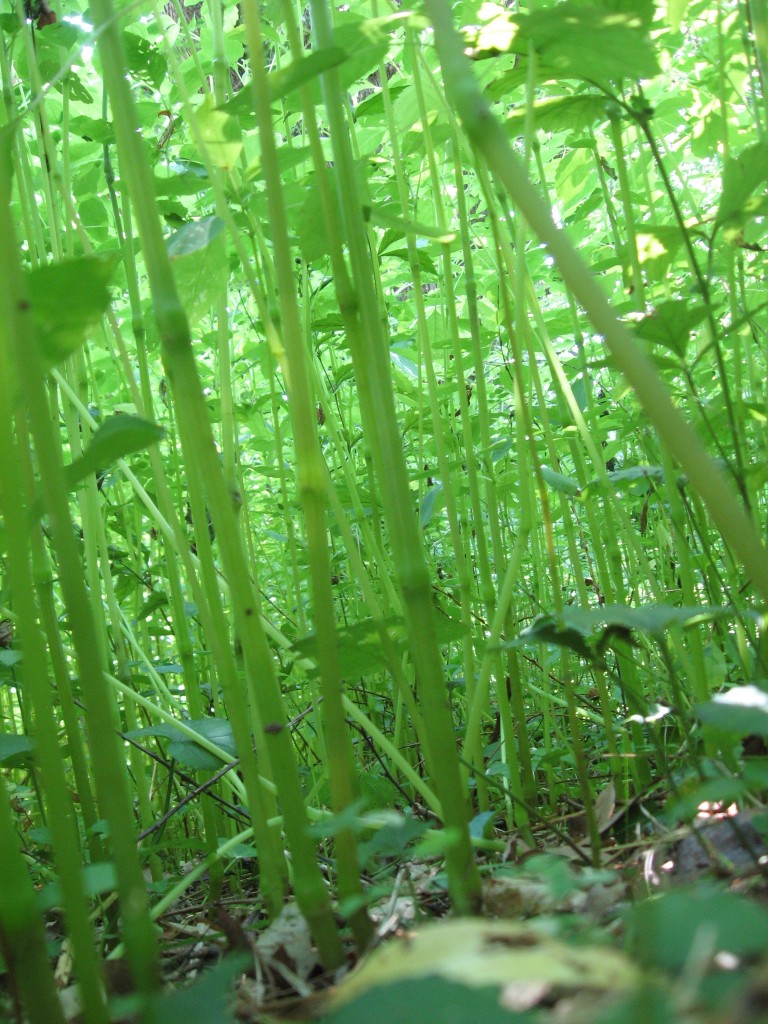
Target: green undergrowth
382 498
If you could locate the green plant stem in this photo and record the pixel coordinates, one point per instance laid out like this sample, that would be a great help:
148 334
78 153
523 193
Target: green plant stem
311 486
108 764
22 936
370 355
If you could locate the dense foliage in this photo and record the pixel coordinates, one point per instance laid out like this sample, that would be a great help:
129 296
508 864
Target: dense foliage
382 458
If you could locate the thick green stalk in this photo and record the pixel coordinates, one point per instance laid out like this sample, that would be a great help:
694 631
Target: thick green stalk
370 355
58 801
22 936
108 763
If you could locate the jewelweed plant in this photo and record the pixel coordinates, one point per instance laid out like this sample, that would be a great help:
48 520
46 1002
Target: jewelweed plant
382 432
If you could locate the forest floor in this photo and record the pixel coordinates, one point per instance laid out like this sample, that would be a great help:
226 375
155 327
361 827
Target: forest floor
671 928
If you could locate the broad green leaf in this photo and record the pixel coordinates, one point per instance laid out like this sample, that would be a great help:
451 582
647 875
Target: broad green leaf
288 156
77 89
494 36
477 954
405 365
742 175
437 844
15 749
430 1000
670 325
384 218
67 299
586 630
117 437
181 178
365 44
207 1000
664 932
285 80
657 246
198 257
373 106
185 749
360 651
220 134
193 237
630 475
481 826
393 839
546 629
9 23
567 113
426 264
143 59
98 878
633 473
588 43
431 501
348 819
676 12
313 234
742 710
653 619
561 483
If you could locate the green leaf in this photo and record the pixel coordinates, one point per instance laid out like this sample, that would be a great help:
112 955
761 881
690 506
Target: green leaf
15 750
567 113
364 43
67 299
198 257
741 176
98 878
360 651
117 437
207 1000
587 42
373 106
285 80
670 325
545 629
653 619
384 218
559 482
431 501
184 178
220 134
663 931
657 245
187 752
193 237
431 1000
143 59
185 749
586 630
481 826
676 12
393 838
742 710
634 473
